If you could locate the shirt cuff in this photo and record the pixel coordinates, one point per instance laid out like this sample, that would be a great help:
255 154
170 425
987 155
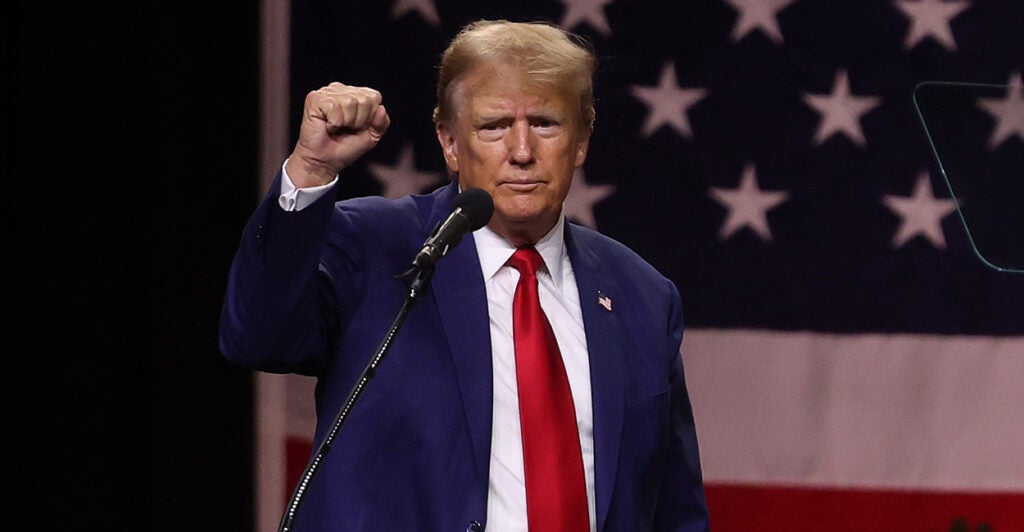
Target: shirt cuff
296 199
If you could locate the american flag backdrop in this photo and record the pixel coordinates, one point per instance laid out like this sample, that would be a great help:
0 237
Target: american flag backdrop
853 366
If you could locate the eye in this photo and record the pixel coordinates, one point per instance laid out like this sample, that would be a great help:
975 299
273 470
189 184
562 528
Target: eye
491 131
545 126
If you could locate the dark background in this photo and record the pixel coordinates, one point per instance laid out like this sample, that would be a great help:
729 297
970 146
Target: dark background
133 130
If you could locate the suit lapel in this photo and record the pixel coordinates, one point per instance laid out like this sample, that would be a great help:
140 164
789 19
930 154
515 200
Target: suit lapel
458 287
607 365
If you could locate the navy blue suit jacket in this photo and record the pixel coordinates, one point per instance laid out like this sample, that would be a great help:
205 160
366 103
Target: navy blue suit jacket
313 292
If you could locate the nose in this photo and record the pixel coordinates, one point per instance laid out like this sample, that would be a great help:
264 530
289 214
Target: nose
520 140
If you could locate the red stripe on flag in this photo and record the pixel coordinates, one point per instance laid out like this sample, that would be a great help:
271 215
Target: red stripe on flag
298 450
747 508
794 509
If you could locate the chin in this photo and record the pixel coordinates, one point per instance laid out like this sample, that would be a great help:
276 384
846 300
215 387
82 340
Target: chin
517 212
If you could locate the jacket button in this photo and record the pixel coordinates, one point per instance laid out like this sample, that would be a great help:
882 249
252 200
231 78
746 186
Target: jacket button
474 526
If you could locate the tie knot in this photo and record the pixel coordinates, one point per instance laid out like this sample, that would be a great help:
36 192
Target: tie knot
526 260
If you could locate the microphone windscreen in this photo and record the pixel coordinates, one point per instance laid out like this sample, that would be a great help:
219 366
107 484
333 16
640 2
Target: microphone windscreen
477 206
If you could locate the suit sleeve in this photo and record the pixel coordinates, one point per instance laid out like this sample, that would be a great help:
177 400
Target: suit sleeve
681 503
279 312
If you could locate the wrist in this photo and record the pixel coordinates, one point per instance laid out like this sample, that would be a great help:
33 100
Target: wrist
306 173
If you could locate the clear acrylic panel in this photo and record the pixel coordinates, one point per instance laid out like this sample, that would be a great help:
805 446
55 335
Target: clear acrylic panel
976 132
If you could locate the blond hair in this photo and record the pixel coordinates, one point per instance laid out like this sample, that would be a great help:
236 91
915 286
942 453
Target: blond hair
550 56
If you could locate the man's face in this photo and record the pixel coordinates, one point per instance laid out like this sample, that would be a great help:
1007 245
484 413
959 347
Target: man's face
518 142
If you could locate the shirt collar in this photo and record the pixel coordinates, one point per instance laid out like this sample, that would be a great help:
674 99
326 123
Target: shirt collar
494 251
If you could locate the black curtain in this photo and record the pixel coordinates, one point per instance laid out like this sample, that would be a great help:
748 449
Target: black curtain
134 133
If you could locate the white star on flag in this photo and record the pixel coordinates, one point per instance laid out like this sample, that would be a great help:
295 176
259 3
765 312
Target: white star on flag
425 8
920 214
589 11
841 111
930 18
758 14
403 178
748 205
667 103
579 204
1008 112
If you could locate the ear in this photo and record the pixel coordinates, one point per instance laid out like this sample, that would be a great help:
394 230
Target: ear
582 146
450 149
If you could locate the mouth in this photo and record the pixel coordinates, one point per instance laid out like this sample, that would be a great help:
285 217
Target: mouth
521 185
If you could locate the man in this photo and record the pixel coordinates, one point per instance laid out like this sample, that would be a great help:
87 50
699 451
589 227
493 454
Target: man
444 437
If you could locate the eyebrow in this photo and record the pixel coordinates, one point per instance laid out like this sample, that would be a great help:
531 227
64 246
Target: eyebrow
546 113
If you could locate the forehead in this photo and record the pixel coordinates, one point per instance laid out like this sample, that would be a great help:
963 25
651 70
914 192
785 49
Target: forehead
492 87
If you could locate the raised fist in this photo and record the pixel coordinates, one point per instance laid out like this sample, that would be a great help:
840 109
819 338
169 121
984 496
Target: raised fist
339 124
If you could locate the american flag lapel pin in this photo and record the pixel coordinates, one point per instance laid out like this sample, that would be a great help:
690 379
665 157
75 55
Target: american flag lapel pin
604 301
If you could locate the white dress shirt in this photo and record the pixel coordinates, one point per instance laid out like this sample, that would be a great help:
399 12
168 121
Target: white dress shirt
560 300
296 199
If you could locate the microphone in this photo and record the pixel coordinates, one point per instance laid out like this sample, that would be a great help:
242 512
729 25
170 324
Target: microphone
471 210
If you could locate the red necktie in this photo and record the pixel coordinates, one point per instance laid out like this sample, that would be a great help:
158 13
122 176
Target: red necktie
556 492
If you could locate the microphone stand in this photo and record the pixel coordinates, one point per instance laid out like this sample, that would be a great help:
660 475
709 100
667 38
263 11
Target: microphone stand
418 278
